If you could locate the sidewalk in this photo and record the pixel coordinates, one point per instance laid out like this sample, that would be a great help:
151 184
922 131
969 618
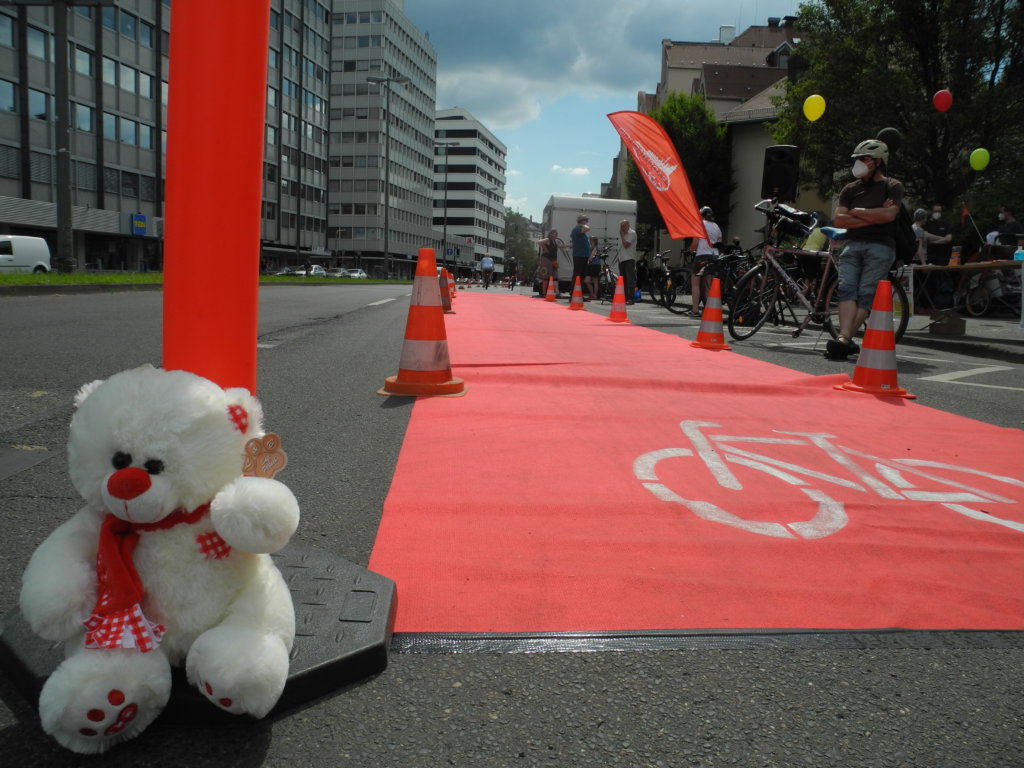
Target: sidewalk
999 337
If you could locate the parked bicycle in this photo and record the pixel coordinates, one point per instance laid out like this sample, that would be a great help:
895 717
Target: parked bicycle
788 279
607 279
668 285
729 268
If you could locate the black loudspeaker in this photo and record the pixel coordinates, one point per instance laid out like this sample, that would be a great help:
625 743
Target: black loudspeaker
781 171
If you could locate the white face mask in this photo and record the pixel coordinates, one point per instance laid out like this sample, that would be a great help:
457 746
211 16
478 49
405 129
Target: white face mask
936 215
861 170
1002 217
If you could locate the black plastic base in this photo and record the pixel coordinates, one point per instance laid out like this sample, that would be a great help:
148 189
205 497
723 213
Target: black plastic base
344 616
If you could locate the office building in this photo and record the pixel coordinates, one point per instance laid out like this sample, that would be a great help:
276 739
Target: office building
469 179
117 89
374 39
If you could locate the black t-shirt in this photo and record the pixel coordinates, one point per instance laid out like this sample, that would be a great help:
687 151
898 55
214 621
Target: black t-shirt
871 194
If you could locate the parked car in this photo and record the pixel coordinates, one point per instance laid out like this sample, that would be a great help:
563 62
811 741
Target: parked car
357 274
338 272
286 272
314 271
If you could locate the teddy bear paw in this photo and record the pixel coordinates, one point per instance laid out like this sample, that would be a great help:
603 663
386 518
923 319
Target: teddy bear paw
90 715
239 671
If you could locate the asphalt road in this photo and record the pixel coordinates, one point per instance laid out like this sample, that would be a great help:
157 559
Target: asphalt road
863 699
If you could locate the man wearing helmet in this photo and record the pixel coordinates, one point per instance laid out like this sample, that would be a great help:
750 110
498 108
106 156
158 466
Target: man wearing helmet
705 253
867 208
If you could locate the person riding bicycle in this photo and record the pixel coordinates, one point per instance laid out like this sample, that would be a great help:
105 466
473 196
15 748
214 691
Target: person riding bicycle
487 267
867 209
706 252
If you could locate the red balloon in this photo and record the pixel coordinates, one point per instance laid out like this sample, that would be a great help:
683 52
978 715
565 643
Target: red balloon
942 100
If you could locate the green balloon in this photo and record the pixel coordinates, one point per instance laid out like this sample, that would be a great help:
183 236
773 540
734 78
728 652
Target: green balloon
979 159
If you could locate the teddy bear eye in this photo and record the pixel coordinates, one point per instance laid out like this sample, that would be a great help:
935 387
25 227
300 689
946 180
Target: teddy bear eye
121 460
154 466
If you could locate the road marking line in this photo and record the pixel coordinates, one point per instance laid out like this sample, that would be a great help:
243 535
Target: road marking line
955 376
378 303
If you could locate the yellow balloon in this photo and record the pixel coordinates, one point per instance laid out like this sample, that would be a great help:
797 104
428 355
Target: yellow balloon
979 159
814 107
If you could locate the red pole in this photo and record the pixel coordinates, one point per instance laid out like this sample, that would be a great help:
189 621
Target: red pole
215 123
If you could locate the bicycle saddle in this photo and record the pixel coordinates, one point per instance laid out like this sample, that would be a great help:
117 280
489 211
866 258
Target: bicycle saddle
833 233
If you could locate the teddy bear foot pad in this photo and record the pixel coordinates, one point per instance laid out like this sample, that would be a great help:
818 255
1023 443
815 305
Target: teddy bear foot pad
344 616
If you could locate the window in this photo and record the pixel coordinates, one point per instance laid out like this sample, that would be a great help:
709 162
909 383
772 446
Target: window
109 127
37 43
6 30
111 180
273 59
147 187
38 104
145 136
109 71
83 118
272 96
128 131
145 85
83 61
129 184
110 22
128 23
145 34
271 135
8 96
127 78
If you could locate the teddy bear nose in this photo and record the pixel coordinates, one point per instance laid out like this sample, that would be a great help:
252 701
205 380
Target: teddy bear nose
128 483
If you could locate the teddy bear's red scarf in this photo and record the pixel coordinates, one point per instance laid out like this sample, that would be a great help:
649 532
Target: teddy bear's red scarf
117 620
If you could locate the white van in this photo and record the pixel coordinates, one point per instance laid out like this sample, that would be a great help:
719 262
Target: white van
19 253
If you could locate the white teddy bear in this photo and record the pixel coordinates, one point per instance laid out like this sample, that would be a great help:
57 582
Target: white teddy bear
167 561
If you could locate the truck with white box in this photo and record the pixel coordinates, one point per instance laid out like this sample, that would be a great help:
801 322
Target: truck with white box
605 214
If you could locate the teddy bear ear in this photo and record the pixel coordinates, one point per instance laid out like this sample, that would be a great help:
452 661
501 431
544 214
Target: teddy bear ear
85 391
244 411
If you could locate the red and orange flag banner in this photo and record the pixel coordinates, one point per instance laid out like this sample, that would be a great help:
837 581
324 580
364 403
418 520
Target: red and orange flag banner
656 157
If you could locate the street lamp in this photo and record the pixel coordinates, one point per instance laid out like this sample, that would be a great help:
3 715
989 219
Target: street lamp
444 242
387 82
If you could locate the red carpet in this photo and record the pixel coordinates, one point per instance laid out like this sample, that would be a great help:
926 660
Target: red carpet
604 476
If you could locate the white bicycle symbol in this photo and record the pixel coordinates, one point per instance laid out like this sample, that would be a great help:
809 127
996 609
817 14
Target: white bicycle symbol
895 479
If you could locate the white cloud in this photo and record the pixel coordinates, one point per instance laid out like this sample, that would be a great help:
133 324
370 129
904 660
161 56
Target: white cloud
571 171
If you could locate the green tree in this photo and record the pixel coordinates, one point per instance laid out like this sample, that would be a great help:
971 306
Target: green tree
518 244
877 64
703 147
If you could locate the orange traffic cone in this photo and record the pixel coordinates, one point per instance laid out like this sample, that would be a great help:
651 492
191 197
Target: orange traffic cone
618 314
576 300
424 368
710 335
446 294
550 295
875 373
451 283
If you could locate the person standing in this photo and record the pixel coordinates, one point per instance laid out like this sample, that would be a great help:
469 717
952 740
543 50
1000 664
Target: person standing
547 266
867 209
627 259
925 239
579 240
487 267
1011 231
938 248
706 252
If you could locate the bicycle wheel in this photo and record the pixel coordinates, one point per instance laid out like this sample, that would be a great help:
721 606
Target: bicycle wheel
654 287
753 300
978 300
669 296
900 310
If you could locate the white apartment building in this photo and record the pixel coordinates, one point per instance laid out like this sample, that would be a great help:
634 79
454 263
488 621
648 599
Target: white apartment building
469 183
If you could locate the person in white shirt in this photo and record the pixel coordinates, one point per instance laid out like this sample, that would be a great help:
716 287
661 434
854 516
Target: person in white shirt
706 252
627 259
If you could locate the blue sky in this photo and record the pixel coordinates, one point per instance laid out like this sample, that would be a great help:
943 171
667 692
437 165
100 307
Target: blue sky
542 74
